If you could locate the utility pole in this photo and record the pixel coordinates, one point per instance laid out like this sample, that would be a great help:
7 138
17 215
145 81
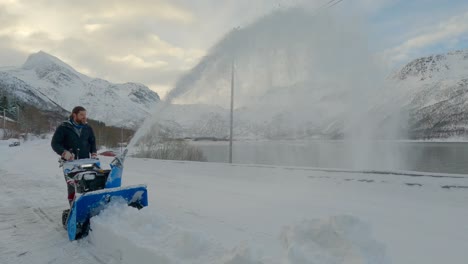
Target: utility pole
232 113
4 120
121 140
100 133
18 115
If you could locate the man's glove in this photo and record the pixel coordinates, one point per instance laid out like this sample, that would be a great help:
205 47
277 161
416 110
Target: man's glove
66 155
94 156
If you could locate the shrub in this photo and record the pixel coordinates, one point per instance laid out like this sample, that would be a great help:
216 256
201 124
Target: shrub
160 144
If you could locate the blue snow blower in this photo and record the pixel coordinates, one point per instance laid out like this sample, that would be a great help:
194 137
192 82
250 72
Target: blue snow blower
94 189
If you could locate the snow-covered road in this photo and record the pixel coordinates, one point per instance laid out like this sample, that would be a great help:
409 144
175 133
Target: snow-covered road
31 202
220 213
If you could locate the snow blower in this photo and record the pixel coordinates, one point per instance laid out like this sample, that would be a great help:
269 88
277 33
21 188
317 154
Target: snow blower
94 189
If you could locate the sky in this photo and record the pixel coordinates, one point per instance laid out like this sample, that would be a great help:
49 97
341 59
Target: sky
154 42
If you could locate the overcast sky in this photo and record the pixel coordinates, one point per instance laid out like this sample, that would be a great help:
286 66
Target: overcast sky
155 41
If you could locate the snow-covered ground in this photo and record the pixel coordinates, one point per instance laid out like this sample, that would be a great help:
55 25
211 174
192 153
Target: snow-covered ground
235 214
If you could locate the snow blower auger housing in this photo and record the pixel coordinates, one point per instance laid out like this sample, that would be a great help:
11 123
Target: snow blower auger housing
94 189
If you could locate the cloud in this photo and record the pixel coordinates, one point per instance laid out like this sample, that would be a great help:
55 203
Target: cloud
147 41
137 62
115 40
9 55
445 33
118 66
109 10
7 19
89 28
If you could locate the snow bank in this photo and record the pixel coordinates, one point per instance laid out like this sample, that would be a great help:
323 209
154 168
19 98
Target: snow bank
338 239
125 235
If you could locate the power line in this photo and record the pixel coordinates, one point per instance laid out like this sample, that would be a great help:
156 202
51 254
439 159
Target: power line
337 2
327 5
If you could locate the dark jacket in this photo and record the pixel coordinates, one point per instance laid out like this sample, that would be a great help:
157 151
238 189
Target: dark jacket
74 138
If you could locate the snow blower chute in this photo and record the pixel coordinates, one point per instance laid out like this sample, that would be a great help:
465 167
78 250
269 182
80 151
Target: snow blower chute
94 189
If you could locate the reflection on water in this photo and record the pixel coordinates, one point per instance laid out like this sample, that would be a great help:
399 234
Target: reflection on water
444 157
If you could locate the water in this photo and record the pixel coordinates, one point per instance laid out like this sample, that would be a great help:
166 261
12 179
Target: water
441 157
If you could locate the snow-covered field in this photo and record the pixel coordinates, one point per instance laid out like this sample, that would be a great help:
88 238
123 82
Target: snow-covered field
235 214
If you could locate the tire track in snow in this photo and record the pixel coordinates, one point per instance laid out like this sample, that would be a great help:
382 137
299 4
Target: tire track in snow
57 225
33 233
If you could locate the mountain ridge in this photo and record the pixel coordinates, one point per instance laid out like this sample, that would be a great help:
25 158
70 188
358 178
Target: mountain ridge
44 80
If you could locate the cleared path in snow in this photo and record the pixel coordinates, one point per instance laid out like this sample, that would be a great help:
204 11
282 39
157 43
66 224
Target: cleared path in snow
31 232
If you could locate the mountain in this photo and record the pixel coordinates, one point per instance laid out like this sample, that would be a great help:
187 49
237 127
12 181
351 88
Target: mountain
11 86
436 67
48 83
436 88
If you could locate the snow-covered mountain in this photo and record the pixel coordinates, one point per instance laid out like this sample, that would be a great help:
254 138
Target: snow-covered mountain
12 86
50 84
436 67
436 91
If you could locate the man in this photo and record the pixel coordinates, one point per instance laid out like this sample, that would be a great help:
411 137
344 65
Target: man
74 139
